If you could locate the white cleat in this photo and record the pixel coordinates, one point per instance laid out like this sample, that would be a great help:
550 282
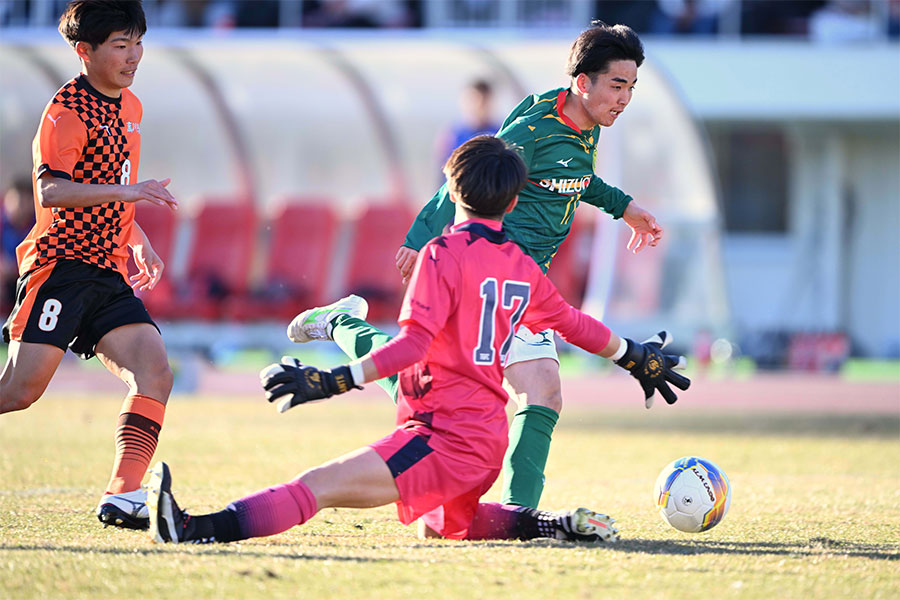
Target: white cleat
583 525
127 510
316 323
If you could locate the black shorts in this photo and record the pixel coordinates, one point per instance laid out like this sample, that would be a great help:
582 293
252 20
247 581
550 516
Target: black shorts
71 304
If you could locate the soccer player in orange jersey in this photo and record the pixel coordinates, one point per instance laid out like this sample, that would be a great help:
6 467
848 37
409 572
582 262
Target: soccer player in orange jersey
72 290
469 291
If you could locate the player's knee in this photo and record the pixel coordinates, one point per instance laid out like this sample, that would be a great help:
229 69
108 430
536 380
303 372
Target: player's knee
536 383
13 398
155 380
548 396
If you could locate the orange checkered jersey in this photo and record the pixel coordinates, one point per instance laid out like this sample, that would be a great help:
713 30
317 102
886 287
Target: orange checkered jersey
85 137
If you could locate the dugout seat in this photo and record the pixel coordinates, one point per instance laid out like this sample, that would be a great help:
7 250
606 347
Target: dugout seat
372 270
301 245
159 224
220 257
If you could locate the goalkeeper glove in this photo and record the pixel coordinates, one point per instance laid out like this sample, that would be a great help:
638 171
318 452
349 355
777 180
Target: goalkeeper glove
653 369
291 382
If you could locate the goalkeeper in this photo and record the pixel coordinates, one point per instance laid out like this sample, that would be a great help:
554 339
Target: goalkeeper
469 291
557 133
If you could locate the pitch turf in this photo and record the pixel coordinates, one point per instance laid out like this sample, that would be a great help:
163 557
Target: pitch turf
815 511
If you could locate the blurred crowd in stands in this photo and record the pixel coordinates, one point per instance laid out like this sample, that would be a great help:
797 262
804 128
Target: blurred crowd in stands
820 20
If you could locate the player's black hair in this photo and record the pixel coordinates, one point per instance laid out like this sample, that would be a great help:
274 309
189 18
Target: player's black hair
482 86
22 184
484 175
598 46
92 21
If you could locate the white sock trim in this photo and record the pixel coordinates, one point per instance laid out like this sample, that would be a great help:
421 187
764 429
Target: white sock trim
623 347
356 370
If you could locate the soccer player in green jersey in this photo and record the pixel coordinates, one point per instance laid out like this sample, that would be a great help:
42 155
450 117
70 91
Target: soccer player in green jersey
557 134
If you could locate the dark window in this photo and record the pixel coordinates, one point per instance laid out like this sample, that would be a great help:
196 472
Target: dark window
751 163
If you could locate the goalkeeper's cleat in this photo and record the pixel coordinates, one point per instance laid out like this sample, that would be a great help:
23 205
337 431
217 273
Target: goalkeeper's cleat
127 510
168 523
316 323
583 525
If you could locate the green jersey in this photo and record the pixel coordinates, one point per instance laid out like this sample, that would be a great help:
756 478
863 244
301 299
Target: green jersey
560 162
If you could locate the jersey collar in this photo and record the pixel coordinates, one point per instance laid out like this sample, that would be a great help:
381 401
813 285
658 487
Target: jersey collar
492 223
82 82
560 102
488 229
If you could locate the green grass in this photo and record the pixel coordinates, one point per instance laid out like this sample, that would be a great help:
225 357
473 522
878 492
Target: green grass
858 369
815 511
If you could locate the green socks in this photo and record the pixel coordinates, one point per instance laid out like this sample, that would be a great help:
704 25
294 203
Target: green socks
526 457
357 338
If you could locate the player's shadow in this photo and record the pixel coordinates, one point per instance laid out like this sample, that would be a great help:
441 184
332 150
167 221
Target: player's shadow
206 550
818 546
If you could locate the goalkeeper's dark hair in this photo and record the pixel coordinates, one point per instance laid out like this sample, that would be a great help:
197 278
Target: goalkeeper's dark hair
600 45
485 174
92 21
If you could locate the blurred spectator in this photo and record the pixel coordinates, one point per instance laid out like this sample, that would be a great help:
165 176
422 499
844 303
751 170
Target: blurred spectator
473 12
180 13
16 220
778 17
637 14
688 16
357 13
893 19
845 21
476 105
217 14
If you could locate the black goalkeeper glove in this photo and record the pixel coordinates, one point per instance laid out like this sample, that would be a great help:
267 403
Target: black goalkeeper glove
291 382
653 369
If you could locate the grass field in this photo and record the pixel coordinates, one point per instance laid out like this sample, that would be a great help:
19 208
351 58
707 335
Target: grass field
815 511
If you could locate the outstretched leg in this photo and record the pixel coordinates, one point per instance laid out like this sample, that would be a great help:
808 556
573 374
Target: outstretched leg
344 323
135 354
360 479
504 522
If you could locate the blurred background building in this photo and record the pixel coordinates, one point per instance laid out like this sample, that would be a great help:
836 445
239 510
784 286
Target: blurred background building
301 136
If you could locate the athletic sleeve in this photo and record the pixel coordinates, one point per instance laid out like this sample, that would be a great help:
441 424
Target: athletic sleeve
62 137
407 348
432 292
606 197
431 220
520 109
548 310
521 138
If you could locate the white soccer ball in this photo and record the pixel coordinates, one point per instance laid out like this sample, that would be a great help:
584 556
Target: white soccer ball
692 494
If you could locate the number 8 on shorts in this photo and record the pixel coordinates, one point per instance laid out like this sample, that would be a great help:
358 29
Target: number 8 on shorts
50 314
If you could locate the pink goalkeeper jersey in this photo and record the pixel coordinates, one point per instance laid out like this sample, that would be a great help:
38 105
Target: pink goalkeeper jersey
471 289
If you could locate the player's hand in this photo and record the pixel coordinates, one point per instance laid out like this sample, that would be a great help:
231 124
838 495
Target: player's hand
406 260
645 231
653 369
150 267
153 191
290 382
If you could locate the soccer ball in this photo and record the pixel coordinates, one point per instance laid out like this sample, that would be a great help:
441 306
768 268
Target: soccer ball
692 494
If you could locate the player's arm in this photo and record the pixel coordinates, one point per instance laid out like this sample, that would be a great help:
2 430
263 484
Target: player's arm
62 138
646 361
607 198
59 192
429 224
290 382
429 301
645 231
150 265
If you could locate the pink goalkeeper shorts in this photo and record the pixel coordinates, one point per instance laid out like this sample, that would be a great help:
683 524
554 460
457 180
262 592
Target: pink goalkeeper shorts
435 486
